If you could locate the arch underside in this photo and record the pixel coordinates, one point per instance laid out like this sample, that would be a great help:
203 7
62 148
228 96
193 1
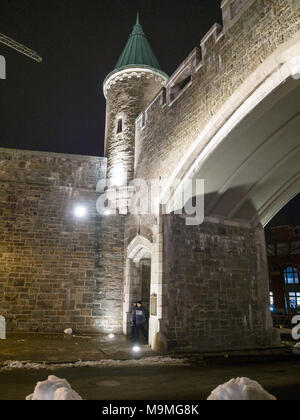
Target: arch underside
255 170
140 248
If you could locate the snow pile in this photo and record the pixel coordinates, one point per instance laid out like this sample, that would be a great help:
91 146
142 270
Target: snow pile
241 389
68 331
53 389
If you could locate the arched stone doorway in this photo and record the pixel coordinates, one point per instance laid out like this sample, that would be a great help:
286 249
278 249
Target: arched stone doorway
137 279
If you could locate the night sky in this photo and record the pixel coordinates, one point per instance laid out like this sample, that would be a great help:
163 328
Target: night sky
289 215
58 105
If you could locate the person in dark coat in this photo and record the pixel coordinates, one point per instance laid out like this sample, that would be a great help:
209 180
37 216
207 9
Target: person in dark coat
140 319
133 322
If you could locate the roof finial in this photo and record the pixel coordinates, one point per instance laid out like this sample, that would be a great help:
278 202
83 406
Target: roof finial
138 19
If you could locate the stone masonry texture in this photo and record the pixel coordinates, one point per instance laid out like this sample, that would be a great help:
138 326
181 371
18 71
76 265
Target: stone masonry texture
214 287
126 99
171 129
57 271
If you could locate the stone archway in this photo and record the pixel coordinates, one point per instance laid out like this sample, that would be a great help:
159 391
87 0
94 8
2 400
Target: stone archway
137 278
139 248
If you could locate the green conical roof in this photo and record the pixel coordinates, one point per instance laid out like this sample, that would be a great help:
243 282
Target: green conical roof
138 50
137 53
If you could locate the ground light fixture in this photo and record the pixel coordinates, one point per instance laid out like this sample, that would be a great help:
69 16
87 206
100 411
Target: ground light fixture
80 211
111 336
136 349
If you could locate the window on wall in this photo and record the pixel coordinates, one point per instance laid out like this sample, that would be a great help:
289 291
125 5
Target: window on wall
143 119
294 299
184 82
164 96
291 275
120 126
179 86
272 301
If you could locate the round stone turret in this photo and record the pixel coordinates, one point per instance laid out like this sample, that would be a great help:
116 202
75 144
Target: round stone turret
135 81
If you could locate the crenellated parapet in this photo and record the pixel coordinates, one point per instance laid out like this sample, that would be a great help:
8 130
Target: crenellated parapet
232 10
214 80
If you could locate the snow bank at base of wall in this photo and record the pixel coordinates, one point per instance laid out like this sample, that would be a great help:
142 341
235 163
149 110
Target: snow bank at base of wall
241 389
296 349
146 361
54 389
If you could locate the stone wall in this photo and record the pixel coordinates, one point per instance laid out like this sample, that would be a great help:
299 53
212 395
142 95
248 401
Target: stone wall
109 316
125 99
225 60
283 245
57 271
216 289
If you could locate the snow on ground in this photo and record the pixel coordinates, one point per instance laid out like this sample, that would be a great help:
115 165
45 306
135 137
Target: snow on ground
53 389
147 361
240 389
296 348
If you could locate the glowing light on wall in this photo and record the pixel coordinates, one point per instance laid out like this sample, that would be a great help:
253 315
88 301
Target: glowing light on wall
118 177
80 211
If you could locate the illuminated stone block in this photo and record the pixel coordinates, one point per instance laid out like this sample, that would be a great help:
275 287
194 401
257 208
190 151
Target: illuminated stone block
2 328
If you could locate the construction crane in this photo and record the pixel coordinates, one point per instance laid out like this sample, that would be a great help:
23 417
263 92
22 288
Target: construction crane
20 48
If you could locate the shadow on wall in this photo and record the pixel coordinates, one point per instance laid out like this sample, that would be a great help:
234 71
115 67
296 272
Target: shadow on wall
223 205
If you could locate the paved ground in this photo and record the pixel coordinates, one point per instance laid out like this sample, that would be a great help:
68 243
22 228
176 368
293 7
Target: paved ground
63 348
281 378
119 376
